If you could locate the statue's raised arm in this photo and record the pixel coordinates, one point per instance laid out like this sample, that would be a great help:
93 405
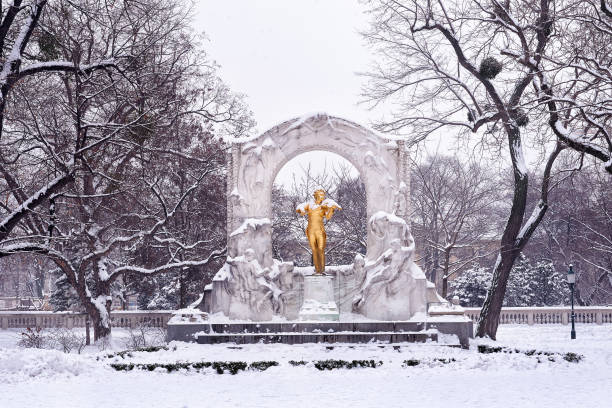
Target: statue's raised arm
330 206
317 210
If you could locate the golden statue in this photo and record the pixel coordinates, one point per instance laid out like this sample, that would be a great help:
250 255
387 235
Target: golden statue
317 210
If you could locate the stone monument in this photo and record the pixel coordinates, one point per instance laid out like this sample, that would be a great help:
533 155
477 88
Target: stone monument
385 285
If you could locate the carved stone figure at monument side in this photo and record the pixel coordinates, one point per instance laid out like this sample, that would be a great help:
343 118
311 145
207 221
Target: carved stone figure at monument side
392 287
318 210
283 278
359 271
385 272
249 286
384 227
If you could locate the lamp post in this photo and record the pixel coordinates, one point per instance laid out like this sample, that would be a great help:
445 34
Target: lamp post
571 279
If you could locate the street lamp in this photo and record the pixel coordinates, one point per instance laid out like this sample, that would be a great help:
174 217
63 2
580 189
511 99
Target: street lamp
571 279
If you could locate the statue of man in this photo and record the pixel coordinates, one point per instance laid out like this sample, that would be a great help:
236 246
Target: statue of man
318 210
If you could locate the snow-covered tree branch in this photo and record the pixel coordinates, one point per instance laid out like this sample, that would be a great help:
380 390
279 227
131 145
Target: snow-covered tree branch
105 157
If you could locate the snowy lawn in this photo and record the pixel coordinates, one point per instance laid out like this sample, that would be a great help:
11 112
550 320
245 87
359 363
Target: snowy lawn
48 378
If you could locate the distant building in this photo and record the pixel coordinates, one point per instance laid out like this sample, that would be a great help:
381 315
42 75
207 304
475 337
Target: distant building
130 303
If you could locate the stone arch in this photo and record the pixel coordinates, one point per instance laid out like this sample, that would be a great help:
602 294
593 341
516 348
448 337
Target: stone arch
328 148
254 164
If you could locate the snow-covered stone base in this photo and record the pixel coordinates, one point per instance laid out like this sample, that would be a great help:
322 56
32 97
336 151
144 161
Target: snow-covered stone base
188 316
418 329
319 302
313 310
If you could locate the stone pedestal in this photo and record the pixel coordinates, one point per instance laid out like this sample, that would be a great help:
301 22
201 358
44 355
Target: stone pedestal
319 302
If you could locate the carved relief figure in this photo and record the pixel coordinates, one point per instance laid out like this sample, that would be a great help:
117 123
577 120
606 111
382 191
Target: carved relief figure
284 281
385 227
385 272
251 285
318 210
359 270
253 174
387 275
400 205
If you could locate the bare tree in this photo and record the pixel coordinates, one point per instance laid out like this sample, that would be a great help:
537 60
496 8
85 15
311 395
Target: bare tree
453 214
578 231
448 52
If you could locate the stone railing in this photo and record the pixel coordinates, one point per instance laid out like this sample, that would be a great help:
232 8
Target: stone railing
159 318
119 318
548 315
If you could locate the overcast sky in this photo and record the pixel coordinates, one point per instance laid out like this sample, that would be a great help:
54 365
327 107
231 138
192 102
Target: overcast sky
290 57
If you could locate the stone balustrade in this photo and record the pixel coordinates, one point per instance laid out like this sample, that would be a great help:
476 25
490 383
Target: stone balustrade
119 318
548 315
159 318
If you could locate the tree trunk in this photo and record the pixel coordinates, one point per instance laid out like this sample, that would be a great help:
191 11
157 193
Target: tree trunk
182 275
102 327
445 273
491 309
432 275
100 331
101 324
87 336
444 286
510 245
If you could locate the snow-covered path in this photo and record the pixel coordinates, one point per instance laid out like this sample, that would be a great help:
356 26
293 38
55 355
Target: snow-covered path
42 378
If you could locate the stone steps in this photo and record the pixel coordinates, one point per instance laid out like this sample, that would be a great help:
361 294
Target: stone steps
316 327
302 338
299 332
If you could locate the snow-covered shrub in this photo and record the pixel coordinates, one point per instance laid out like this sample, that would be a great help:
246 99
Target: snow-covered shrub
472 285
164 292
67 340
262 365
137 337
233 367
573 357
490 67
33 338
129 353
103 343
145 335
537 284
335 364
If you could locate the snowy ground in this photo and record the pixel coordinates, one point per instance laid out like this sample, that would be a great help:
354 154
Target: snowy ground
47 378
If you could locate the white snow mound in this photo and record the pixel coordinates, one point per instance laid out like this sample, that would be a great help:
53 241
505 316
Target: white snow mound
19 366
